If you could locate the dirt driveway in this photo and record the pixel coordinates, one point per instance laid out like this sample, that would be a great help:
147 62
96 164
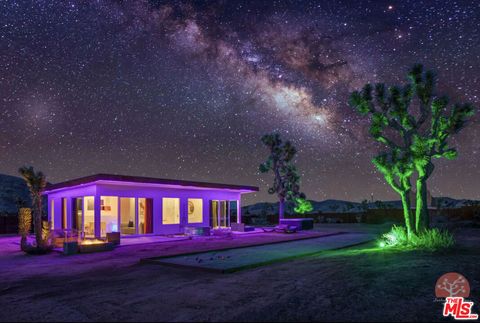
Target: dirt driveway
366 284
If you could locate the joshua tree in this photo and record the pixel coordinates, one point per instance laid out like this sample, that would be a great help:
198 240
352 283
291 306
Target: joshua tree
286 183
390 124
431 132
36 184
302 206
412 141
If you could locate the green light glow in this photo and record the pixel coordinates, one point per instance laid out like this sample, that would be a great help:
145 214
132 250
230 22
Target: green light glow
431 239
412 140
302 206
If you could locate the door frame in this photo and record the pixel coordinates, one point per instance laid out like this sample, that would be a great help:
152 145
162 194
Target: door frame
219 213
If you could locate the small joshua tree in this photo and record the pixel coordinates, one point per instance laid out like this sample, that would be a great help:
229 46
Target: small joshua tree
286 183
302 206
431 132
36 184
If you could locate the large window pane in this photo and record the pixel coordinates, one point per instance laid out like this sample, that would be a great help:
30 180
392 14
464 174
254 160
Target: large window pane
89 216
171 211
52 213
64 213
233 211
214 214
77 214
127 215
195 210
109 214
223 214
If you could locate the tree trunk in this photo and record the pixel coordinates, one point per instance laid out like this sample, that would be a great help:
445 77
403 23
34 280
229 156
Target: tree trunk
38 221
407 212
23 243
281 207
422 218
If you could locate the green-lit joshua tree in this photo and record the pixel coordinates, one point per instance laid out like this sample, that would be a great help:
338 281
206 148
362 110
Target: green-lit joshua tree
412 141
437 123
390 124
286 183
36 184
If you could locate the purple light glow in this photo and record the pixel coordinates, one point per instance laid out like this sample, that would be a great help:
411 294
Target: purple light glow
155 191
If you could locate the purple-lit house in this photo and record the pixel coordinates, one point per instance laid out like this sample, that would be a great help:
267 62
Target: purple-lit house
98 204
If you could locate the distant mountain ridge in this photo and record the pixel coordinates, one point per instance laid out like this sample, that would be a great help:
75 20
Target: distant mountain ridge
14 192
341 206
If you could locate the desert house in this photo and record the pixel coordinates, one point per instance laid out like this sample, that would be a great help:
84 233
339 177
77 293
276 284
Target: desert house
99 204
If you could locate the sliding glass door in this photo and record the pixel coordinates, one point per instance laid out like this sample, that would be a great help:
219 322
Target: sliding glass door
89 217
108 215
77 215
127 215
214 214
64 213
220 214
232 208
224 222
145 215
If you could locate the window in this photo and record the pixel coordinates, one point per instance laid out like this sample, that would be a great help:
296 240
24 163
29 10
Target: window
77 214
52 214
232 206
89 216
108 214
127 215
223 214
214 214
195 210
64 213
171 211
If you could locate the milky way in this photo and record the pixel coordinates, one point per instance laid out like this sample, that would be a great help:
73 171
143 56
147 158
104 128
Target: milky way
186 89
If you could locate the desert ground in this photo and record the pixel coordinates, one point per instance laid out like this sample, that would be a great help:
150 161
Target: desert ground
362 283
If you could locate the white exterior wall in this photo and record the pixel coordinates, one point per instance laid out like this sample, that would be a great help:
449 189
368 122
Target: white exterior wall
157 193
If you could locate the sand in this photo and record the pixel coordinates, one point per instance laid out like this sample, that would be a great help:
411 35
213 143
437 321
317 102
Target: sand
364 285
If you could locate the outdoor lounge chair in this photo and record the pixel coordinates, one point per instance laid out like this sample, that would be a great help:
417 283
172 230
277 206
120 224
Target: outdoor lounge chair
268 229
284 228
241 227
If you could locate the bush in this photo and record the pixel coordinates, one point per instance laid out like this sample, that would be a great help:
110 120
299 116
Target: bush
431 239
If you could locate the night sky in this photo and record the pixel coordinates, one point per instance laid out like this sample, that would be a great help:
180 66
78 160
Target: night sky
185 90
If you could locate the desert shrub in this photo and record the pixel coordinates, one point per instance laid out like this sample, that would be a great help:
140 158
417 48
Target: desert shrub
24 225
24 221
396 237
433 239
430 239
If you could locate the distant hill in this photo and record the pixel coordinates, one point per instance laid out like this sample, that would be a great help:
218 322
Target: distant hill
340 206
327 206
449 203
13 192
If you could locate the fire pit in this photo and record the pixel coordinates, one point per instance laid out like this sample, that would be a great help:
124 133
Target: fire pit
95 245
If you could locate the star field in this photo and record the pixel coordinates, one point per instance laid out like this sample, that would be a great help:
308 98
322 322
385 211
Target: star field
180 89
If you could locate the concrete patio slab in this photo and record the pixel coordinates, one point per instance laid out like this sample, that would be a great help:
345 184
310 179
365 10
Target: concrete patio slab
231 260
130 241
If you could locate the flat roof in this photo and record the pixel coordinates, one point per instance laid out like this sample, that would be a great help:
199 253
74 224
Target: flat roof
145 180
